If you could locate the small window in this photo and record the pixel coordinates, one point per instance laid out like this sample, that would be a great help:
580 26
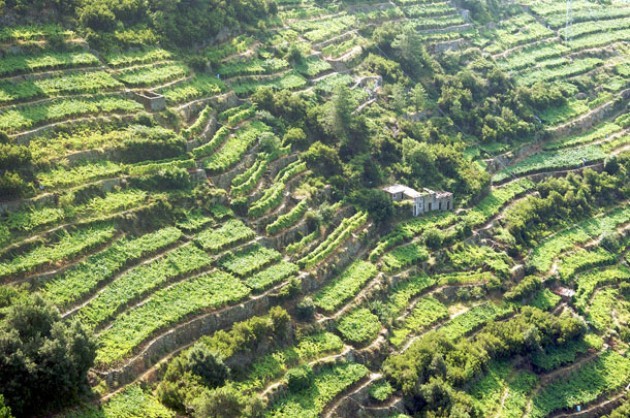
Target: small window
430 206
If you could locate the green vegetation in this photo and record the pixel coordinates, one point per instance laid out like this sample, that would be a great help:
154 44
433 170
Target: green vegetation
425 313
326 385
67 246
606 373
345 286
139 281
85 276
177 230
228 234
209 291
359 326
249 260
271 276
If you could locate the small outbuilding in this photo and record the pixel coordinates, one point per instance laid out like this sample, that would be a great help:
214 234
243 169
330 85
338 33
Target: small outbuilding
153 102
424 201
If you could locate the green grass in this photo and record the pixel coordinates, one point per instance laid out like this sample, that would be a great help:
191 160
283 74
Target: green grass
17 119
401 295
496 199
553 160
503 391
359 326
600 311
587 282
67 246
137 57
345 286
17 64
141 280
328 383
198 87
230 233
607 373
427 312
165 308
248 261
543 255
334 240
132 402
289 219
91 82
273 366
404 256
477 316
235 147
271 276
152 75
81 279
581 259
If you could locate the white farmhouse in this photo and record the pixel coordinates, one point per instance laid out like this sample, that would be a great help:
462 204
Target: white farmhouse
425 201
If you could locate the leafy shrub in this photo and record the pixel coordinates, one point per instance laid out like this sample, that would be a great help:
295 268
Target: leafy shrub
300 378
360 326
208 366
45 360
381 390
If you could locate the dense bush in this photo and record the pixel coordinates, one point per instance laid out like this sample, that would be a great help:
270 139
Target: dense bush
186 22
144 143
434 366
300 378
575 196
43 361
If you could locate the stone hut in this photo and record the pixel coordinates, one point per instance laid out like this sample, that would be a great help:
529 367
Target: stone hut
425 201
153 102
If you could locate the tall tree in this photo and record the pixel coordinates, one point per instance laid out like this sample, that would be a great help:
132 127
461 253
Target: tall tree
43 361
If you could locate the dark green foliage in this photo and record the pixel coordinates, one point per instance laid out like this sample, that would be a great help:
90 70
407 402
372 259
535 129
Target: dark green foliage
169 178
16 170
98 17
227 402
5 411
300 378
305 309
525 288
208 366
433 367
323 160
572 197
14 157
189 376
186 22
43 361
376 202
433 238
12 185
296 138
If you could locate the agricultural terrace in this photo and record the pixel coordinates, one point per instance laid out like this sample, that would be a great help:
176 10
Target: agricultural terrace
192 207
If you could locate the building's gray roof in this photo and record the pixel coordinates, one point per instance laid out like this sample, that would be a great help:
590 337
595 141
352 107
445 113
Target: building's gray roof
412 194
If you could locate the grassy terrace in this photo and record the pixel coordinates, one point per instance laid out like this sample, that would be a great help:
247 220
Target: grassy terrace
543 255
608 372
344 286
80 280
255 195
65 247
166 307
327 384
16 119
140 281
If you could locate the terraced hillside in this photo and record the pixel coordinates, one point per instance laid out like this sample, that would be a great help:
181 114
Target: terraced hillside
230 253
